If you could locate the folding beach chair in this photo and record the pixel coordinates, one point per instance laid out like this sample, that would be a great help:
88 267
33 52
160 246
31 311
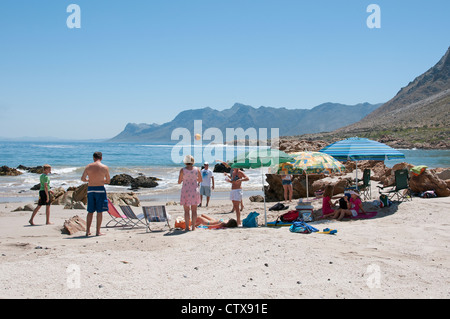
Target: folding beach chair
155 214
365 189
133 220
401 188
116 217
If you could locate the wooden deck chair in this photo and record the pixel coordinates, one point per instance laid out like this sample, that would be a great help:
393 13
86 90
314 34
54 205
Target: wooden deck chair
155 214
401 188
116 217
133 219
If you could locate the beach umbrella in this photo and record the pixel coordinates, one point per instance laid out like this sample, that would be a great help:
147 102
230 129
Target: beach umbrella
308 163
357 149
259 158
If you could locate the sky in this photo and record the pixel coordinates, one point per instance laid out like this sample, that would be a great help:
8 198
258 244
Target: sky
144 61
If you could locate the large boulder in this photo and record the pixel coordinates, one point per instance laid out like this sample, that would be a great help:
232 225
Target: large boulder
429 180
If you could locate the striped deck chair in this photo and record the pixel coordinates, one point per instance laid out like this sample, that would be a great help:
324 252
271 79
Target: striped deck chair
116 217
155 214
133 220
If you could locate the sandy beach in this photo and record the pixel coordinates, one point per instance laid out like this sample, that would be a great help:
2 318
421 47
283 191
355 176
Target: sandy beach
402 253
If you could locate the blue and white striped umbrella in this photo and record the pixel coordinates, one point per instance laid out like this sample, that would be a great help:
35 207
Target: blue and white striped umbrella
358 149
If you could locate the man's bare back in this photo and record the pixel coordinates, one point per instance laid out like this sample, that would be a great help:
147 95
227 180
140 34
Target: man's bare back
96 174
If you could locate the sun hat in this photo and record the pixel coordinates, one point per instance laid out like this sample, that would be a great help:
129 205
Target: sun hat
188 159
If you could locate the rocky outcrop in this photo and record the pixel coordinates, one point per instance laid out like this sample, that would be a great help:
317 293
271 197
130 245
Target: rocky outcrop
135 183
75 196
429 180
7 171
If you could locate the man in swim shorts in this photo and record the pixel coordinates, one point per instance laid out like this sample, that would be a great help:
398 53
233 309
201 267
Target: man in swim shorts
96 175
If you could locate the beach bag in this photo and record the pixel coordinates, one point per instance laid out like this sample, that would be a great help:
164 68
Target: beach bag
289 216
428 194
384 201
251 220
278 206
302 228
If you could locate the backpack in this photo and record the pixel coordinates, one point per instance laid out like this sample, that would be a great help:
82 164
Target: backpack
384 201
251 220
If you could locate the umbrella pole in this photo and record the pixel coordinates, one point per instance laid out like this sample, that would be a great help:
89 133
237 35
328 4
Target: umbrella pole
307 188
357 175
264 195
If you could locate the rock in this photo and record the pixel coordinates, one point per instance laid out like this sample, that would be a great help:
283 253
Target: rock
121 180
145 182
75 205
220 168
443 173
135 183
35 170
130 199
429 180
26 208
275 192
257 198
7 171
74 225
80 194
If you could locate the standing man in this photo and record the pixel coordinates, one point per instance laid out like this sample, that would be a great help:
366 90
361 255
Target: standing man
237 177
205 185
96 175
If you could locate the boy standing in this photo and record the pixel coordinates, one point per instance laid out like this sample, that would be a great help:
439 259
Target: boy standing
44 196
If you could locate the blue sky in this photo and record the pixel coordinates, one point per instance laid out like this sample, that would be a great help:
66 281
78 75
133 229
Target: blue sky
144 61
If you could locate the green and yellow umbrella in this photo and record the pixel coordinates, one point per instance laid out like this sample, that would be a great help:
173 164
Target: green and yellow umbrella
308 163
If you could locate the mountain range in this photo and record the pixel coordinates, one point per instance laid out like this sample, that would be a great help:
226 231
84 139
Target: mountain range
324 117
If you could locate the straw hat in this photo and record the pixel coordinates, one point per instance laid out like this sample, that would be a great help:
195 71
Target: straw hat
189 159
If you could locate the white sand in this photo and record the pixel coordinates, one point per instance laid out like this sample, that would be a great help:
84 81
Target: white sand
403 253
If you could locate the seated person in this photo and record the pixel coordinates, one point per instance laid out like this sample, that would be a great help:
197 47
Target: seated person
355 205
210 222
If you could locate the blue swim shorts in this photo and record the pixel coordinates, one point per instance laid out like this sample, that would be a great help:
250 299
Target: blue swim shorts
97 200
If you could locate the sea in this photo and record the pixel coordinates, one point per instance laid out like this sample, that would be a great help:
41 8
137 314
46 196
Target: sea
164 161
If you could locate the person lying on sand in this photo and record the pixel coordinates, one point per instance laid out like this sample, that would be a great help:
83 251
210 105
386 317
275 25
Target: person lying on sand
210 222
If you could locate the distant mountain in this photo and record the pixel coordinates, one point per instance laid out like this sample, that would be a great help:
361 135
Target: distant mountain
418 116
325 117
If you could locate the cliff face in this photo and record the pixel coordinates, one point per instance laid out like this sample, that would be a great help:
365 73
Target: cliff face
418 116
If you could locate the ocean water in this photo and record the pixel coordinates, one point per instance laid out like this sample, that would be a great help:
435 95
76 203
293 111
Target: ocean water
163 161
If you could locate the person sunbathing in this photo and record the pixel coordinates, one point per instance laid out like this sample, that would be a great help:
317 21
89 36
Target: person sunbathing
210 222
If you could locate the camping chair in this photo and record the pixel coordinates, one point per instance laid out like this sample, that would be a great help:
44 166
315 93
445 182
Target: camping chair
365 189
133 219
401 188
117 218
155 214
